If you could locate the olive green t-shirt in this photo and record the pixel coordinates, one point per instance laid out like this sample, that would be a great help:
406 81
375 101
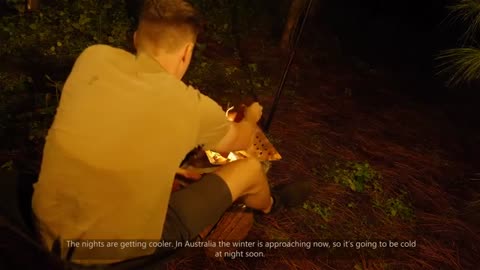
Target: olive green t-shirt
121 130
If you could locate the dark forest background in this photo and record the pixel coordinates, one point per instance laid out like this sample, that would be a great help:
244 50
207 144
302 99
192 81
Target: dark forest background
392 150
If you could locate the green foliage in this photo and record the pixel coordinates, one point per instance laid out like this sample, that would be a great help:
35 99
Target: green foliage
323 212
257 80
395 207
23 110
19 5
60 29
356 176
12 82
468 12
462 64
13 90
220 20
227 18
65 28
253 67
198 71
229 71
7 166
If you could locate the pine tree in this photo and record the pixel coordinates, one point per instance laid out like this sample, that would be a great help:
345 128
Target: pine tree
462 65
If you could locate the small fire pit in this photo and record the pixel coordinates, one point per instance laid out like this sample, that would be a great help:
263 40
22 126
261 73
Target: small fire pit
207 161
261 149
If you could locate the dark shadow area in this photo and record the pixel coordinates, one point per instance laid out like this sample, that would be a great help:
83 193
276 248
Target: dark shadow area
402 37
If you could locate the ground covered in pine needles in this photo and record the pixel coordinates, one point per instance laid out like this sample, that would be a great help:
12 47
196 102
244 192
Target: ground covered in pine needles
384 166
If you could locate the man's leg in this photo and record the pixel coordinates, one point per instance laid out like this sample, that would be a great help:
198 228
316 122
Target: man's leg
203 203
247 181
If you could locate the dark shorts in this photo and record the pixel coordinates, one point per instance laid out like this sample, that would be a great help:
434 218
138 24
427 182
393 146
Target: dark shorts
195 207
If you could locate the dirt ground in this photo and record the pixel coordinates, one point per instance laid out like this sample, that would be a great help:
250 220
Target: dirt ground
333 112
385 166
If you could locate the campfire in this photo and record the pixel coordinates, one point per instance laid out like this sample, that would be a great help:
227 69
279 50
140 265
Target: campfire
261 148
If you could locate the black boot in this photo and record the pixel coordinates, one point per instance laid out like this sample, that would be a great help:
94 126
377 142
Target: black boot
290 195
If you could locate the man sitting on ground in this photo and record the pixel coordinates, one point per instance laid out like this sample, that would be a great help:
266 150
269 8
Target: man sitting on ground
124 124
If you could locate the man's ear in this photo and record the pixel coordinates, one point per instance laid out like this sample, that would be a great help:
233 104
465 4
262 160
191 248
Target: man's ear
188 52
135 40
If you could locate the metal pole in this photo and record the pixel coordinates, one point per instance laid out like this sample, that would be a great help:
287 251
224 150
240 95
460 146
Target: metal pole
278 94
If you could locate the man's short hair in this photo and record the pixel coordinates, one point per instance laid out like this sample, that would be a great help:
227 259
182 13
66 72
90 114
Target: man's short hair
167 24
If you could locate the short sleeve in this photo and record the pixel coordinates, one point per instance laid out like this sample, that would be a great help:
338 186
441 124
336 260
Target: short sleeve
213 124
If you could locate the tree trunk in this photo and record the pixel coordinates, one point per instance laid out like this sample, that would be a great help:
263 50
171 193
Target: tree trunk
33 5
296 8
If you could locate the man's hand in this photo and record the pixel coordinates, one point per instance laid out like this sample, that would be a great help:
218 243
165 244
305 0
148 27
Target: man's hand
241 133
253 113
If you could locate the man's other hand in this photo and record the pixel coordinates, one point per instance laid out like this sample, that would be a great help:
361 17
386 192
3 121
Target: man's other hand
253 113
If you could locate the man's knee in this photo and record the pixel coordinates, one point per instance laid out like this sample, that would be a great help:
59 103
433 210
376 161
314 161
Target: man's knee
254 175
244 168
251 170
242 176
254 164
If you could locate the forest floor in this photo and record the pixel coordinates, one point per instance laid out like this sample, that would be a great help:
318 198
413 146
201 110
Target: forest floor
384 166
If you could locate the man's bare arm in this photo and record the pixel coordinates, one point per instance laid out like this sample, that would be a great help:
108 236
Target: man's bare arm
240 135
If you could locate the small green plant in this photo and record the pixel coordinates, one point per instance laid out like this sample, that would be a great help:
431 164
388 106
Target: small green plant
253 67
324 212
229 71
351 205
356 176
7 165
395 207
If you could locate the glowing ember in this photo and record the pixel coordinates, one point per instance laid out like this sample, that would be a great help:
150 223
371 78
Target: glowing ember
261 149
232 156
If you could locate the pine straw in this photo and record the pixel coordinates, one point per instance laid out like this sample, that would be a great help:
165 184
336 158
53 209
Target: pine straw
320 126
309 141
413 169
417 170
